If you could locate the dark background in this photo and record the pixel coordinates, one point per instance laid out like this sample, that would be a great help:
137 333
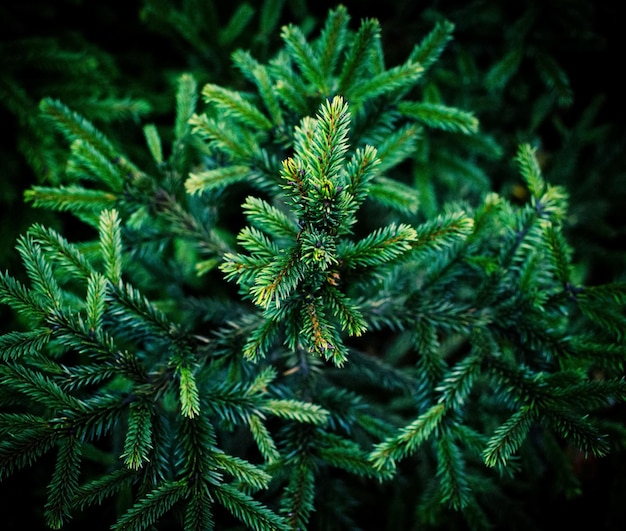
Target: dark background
133 50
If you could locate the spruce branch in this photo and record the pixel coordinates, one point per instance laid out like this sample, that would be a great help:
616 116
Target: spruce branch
347 455
358 56
237 142
72 197
154 143
332 39
386 453
560 254
96 490
303 54
66 257
277 280
242 471
75 127
443 231
269 218
95 301
457 384
329 143
88 163
64 483
530 170
509 436
428 51
397 146
40 273
39 388
394 195
23 421
261 339
296 410
196 445
455 490
259 75
347 312
584 434
554 77
189 394
297 503
111 244
382 246
86 375
274 273
361 169
611 293
440 116
198 513
236 24
500 73
249 511
233 105
257 244
291 88
392 80
151 507
186 100
17 344
264 441
26 447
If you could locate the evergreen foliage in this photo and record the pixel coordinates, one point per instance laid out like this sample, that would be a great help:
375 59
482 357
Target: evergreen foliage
276 316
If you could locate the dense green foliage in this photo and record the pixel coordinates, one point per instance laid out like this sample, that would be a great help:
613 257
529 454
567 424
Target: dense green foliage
312 296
